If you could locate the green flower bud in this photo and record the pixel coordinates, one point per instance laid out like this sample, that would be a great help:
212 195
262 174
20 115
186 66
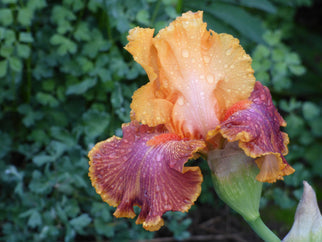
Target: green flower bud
234 178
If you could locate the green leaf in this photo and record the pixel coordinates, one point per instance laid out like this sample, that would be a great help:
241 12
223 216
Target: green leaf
10 37
6 50
40 184
30 116
2 33
23 51
5 144
295 125
65 44
3 68
15 64
56 149
117 96
34 219
81 87
310 110
25 37
272 38
46 99
282 199
264 5
36 4
75 4
316 126
293 59
9 1
301 175
101 210
104 228
95 123
248 25
42 159
63 135
93 5
297 70
25 16
171 12
143 17
261 52
6 16
80 222
82 32
63 17
278 55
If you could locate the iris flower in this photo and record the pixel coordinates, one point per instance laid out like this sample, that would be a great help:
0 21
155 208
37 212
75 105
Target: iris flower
201 93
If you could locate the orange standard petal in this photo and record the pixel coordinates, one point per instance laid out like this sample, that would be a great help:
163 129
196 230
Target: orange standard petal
146 168
195 76
255 123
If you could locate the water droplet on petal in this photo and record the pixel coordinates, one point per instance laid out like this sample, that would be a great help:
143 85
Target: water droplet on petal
210 78
167 207
263 98
228 52
185 53
180 101
206 59
159 157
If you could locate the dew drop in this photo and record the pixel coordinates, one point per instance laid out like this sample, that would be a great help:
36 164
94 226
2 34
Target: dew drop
180 101
210 78
170 27
159 157
112 155
206 59
157 188
228 52
263 98
167 207
185 53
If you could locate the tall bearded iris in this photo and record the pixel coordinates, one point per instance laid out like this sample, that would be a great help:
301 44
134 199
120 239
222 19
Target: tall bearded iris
201 94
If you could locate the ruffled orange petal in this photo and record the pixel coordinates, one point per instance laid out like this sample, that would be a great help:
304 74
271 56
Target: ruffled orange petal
140 46
201 73
148 108
132 171
258 130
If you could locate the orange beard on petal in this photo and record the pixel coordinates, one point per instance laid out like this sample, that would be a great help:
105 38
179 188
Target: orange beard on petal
195 76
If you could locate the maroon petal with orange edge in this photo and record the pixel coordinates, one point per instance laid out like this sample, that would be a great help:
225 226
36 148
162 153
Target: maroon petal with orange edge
257 127
132 171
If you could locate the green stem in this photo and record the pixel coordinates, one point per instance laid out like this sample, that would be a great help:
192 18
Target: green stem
262 230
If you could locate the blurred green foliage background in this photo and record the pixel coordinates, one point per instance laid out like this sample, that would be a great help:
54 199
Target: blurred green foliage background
66 82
